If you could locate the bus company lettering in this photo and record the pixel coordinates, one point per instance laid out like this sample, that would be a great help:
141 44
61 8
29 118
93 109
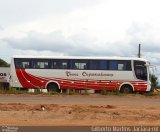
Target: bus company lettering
96 74
71 74
86 74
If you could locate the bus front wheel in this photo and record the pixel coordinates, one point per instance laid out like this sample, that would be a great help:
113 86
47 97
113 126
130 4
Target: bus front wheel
53 87
126 89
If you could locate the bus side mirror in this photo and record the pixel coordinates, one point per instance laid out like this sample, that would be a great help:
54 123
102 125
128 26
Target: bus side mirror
147 65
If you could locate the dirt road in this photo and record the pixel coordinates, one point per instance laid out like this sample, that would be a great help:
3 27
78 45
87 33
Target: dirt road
78 110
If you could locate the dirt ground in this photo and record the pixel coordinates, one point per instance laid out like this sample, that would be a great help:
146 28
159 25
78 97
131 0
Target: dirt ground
79 110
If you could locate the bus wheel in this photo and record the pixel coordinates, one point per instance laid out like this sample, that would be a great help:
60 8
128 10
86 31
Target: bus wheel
126 89
53 87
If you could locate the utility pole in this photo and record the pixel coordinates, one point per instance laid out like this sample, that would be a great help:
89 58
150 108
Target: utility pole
139 51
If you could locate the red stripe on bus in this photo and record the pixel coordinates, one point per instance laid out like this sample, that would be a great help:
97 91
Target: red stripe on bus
31 81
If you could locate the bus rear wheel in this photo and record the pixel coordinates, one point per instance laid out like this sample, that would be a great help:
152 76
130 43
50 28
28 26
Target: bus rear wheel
126 89
53 87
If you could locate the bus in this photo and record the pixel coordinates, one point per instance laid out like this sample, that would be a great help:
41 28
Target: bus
123 74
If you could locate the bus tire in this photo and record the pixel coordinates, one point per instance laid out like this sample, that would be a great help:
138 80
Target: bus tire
126 89
53 87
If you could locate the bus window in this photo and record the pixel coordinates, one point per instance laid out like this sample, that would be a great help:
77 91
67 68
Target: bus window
22 63
40 64
93 65
78 64
63 65
98 65
113 65
120 66
54 64
60 64
103 65
25 64
128 65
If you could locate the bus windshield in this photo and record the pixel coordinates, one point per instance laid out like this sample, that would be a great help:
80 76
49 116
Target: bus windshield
140 70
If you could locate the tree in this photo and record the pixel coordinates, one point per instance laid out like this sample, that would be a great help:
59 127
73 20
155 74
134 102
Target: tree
154 82
3 63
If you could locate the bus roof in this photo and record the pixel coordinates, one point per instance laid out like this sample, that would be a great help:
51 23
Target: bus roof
80 57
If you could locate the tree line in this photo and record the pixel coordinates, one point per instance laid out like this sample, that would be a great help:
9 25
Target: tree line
3 63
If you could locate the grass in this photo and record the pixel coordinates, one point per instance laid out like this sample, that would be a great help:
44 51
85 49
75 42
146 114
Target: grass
12 91
106 92
151 94
66 92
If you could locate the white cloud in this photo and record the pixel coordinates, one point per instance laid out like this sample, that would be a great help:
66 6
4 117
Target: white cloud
19 11
1 28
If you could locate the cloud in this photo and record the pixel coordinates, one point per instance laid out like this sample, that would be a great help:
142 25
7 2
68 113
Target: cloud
53 42
104 26
39 41
78 44
1 28
146 34
19 11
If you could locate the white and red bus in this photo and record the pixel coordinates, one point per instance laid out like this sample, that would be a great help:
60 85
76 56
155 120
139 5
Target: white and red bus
81 73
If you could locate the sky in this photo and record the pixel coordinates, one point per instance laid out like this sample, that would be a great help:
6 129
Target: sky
80 28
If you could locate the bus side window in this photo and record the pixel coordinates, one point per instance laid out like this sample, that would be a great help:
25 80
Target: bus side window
103 65
54 65
113 65
124 65
64 65
25 64
120 66
74 66
93 65
46 65
19 65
